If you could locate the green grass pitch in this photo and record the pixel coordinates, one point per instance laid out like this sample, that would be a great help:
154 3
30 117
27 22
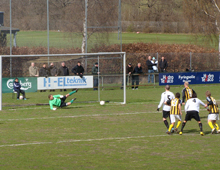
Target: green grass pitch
113 136
69 40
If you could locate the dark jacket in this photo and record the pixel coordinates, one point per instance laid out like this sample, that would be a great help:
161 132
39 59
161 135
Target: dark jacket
78 69
63 71
137 70
163 64
129 69
53 71
16 86
150 65
95 70
43 72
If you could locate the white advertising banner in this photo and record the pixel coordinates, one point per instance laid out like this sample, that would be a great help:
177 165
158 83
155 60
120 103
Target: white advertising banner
65 82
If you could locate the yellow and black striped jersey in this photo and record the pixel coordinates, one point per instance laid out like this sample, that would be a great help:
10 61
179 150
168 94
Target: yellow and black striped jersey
175 106
187 94
213 106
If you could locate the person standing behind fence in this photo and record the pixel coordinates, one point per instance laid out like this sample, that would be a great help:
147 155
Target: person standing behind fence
95 72
129 71
154 61
33 70
135 77
43 72
63 71
150 69
53 71
78 69
163 64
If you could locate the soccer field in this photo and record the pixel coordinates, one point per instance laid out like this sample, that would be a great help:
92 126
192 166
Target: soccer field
70 40
113 136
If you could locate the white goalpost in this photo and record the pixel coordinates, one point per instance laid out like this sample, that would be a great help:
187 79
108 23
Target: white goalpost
111 64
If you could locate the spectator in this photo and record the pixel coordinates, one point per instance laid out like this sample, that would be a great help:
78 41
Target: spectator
33 70
63 71
129 71
150 69
17 88
43 73
163 64
78 69
95 72
135 77
53 71
154 61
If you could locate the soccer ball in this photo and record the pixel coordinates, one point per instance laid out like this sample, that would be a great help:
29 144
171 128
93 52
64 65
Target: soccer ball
102 102
21 97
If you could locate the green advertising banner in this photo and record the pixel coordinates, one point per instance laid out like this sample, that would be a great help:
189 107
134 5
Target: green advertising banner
28 84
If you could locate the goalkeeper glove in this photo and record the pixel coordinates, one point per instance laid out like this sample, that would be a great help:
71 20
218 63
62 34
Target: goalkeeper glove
54 108
158 109
61 96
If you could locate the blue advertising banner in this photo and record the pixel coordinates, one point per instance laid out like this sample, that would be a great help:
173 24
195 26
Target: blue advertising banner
191 77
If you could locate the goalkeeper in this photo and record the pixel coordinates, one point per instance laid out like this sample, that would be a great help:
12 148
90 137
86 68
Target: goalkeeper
59 100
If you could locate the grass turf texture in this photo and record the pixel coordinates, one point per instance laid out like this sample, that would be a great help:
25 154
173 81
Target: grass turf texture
69 40
113 136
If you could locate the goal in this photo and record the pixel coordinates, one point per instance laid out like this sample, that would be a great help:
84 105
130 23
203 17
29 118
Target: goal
108 85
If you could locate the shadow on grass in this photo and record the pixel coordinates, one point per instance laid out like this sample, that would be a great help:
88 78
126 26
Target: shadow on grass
191 131
203 117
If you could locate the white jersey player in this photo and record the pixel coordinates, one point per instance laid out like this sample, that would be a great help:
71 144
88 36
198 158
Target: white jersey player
192 111
166 96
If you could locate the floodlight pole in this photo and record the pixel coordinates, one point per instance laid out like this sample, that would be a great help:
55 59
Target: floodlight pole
48 39
10 42
124 77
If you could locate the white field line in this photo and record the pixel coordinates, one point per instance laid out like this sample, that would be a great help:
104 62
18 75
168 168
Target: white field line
89 140
92 115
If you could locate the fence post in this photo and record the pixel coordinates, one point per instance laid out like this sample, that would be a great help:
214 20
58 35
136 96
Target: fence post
190 61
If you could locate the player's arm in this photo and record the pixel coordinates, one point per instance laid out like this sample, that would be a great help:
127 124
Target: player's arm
193 91
200 102
209 101
161 102
51 105
179 105
183 96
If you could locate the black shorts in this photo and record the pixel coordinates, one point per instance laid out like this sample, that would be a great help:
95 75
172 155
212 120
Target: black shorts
63 101
192 114
166 114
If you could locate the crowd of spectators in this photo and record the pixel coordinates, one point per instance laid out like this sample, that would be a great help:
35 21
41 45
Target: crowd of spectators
133 73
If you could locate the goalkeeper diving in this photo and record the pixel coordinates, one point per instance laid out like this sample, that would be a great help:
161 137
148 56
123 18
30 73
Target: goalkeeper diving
59 100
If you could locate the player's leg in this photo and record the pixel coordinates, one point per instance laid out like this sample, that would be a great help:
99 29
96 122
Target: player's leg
165 115
172 122
211 125
183 125
178 117
72 92
71 102
200 127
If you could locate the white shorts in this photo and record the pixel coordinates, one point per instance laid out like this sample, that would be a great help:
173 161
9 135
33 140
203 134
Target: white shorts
173 118
213 117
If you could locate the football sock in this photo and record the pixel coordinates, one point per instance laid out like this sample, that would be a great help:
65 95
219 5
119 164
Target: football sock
72 92
211 125
171 125
183 125
217 127
178 124
200 126
166 123
71 101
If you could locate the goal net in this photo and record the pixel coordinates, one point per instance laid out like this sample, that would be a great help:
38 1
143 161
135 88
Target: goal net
103 78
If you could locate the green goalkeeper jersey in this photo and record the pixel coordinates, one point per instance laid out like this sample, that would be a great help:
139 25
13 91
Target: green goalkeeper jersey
55 102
